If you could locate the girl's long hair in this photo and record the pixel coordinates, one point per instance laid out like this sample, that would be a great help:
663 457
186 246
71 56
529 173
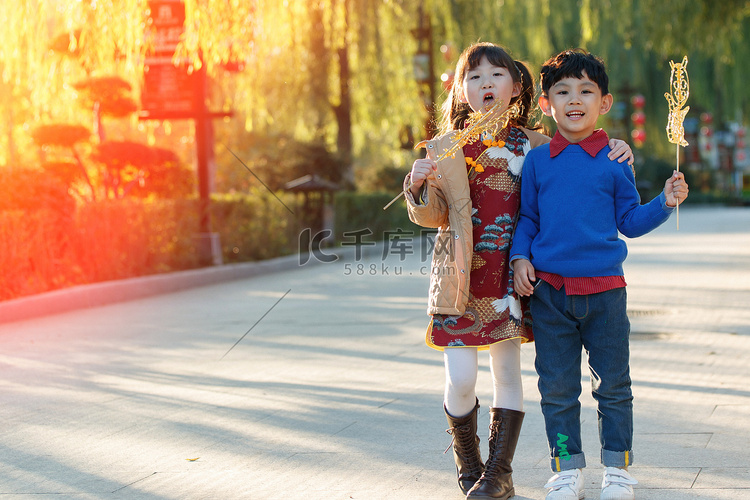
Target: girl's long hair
454 112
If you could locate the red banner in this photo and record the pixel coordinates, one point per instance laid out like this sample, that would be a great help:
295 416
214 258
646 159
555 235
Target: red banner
168 90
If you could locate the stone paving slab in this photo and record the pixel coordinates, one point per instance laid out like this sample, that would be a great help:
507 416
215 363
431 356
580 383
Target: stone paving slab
332 393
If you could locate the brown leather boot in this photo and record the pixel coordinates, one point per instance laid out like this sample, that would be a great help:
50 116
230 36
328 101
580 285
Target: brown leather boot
465 444
496 482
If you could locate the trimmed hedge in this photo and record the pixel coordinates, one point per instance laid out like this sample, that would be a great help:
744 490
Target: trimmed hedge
53 243
364 211
41 250
255 226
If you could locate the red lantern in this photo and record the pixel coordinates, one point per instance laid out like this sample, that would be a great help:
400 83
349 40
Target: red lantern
639 120
639 137
448 51
447 79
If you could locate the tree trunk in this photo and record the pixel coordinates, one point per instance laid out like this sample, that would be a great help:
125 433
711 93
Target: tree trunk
344 119
344 110
84 172
98 126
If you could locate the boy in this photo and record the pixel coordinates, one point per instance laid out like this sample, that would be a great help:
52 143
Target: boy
566 253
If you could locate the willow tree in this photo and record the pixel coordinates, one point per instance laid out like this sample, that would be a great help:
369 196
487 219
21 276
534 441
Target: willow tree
339 72
636 38
336 71
103 37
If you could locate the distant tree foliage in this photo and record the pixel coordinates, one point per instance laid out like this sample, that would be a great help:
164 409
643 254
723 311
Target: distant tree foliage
636 39
294 54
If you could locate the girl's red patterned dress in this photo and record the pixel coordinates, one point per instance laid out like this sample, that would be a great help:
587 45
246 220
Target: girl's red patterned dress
494 312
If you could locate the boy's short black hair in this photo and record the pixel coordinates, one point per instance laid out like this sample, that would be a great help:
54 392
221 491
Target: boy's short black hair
573 62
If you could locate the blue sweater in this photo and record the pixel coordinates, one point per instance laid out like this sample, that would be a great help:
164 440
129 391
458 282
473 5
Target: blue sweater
572 207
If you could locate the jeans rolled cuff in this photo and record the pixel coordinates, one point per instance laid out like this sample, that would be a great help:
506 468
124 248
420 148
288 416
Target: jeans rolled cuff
617 458
568 462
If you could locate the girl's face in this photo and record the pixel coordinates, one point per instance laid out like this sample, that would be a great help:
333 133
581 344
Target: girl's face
485 84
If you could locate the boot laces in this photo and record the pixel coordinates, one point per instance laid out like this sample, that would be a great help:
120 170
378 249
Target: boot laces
497 439
464 440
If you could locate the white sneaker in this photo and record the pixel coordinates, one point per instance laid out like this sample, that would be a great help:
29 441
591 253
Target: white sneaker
617 484
566 485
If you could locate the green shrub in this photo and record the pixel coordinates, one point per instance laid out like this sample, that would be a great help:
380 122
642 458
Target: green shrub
255 226
49 242
36 221
40 250
125 238
358 211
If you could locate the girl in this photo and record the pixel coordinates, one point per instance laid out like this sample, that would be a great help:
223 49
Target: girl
473 198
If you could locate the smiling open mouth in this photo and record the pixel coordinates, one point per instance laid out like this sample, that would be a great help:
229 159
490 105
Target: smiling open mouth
488 100
575 114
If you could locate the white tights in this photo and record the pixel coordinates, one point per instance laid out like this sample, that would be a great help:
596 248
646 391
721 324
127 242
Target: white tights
461 366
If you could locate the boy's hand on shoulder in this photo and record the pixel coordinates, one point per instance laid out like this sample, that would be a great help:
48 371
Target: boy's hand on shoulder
620 151
675 189
524 278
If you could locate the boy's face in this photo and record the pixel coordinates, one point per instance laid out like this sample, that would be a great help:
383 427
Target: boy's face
575 104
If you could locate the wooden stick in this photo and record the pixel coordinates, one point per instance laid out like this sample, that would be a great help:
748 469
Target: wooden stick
394 200
678 201
478 122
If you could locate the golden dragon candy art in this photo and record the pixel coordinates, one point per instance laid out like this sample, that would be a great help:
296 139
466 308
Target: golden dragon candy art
680 90
482 121
477 123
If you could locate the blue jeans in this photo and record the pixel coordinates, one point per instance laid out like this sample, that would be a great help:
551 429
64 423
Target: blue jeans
562 326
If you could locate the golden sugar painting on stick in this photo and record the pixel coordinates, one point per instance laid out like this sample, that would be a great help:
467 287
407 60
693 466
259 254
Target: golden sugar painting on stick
480 122
477 124
680 90
679 86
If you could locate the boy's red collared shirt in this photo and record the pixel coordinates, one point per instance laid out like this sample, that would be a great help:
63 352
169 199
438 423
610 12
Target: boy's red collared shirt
581 286
591 144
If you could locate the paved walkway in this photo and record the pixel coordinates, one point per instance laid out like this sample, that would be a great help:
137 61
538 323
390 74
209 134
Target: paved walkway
333 395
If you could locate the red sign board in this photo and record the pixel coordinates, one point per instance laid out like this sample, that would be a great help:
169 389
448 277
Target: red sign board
168 90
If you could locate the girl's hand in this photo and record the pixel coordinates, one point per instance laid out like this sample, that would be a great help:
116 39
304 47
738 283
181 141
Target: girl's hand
524 278
421 170
620 151
675 189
